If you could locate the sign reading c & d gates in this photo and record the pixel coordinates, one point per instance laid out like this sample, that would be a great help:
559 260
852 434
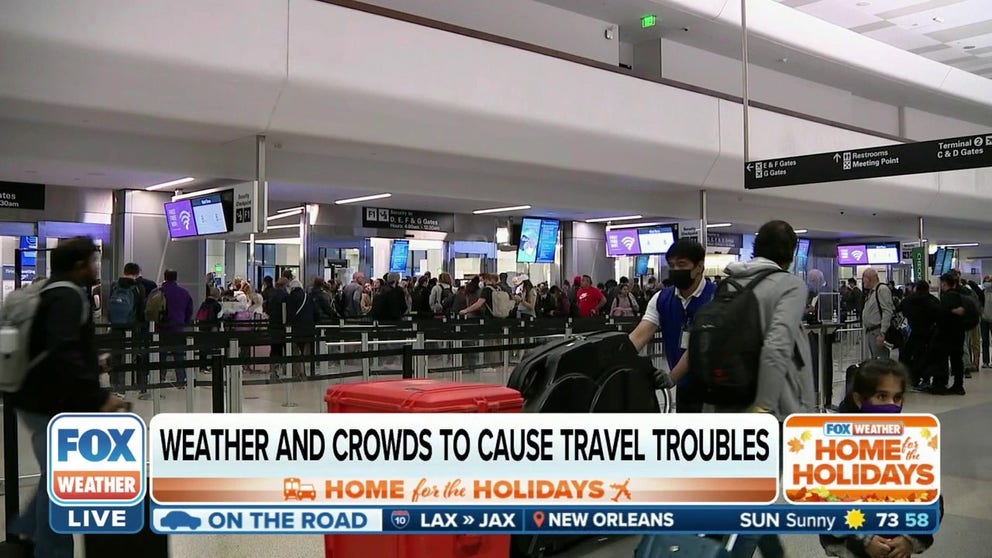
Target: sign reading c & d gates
403 219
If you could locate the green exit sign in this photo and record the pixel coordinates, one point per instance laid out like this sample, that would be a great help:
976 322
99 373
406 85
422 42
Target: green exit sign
218 268
649 21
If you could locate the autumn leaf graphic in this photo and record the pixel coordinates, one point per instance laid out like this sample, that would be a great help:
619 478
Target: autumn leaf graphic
925 432
933 443
795 446
807 436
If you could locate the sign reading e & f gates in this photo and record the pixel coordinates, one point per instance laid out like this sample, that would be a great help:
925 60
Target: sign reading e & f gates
407 220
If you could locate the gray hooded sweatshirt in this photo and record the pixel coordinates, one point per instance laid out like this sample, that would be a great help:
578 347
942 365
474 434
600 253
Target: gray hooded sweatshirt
785 380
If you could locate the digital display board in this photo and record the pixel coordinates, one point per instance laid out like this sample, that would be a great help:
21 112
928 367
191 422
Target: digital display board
883 253
29 254
656 240
801 261
538 240
208 211
179 217
852 254
641 269
399 256
622 242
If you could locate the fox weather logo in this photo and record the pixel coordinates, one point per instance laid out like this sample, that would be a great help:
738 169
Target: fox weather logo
96 459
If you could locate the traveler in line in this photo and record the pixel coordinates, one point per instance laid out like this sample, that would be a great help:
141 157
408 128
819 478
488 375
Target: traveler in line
303 313
178 314
442 296
276 309
815 282
590 300
949 345
987 321
527 300
353 295
877 315
922 311
325 312
126 313
65 380
672 310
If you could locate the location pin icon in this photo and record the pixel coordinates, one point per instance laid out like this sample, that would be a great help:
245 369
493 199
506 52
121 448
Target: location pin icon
539 518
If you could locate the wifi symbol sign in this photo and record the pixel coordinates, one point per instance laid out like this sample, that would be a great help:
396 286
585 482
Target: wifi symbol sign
858 254
185 218
628 242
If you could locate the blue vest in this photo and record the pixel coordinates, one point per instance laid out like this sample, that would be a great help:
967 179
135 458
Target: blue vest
674 319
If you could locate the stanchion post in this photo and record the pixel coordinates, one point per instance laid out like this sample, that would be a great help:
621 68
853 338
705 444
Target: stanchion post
191 373
506 356
233 379
421 362
128 358
12 488
366 372
154 356
408 371
217 382
458 359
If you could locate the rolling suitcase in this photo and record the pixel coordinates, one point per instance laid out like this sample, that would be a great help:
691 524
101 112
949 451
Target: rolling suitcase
419 396
595 373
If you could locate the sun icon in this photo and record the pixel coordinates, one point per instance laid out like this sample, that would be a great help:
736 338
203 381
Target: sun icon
855 519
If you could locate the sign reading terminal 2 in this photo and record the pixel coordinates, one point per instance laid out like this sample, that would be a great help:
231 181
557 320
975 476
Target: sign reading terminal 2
966 152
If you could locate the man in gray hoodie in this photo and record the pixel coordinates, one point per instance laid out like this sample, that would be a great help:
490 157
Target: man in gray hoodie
785 380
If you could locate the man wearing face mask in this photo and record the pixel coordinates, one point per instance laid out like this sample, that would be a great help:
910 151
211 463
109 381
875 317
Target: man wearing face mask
671 310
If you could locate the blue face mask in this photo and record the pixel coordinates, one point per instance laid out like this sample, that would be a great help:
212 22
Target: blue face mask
887 408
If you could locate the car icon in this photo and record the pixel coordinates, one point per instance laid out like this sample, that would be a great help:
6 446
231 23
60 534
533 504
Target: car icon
177 519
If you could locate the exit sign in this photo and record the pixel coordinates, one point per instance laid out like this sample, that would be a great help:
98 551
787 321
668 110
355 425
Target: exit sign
649 21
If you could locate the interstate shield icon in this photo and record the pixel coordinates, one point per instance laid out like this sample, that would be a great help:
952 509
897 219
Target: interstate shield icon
400 518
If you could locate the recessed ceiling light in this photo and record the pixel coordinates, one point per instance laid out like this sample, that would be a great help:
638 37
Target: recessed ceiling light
170 183
939 19
718 225
500 209
621 218
961 245
363 198
801 231
783 60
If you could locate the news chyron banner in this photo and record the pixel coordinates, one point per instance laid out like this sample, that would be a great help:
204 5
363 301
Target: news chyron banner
503 473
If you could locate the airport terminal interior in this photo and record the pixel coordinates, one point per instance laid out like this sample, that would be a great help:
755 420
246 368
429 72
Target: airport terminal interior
537 141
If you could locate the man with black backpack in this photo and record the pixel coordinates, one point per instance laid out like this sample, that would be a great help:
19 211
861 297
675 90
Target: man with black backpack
126 312
747 349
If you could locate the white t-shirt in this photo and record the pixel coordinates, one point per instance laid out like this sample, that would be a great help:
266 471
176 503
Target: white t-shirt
651 314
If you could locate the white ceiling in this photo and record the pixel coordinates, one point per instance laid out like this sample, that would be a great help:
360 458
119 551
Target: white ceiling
955 32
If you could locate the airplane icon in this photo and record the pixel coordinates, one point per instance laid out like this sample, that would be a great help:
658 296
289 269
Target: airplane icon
622 490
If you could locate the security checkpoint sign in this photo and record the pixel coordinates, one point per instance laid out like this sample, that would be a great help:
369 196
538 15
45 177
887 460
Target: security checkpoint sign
965 152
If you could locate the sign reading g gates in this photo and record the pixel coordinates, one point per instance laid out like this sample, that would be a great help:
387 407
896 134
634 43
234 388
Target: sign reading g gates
407 220
22 195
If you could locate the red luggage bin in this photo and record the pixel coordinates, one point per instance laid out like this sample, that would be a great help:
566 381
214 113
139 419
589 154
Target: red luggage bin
420 396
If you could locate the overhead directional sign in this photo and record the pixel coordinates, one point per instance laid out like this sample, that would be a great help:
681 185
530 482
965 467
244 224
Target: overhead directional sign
966 152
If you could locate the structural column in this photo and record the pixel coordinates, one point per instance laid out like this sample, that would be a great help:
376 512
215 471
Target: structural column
702 218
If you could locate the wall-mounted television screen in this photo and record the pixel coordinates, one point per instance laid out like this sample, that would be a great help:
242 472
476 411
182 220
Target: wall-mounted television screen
645 240
622 242
656 240
214 213
883 253
29 251
399 256
179 216
641 269
852 254
800 262
943 261
538 240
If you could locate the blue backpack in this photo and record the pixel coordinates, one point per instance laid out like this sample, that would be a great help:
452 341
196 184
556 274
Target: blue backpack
123 308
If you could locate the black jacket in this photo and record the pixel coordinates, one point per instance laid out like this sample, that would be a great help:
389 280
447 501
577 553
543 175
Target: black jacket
301 310
274 307
389 305
950 326
68 378
322 301
922 312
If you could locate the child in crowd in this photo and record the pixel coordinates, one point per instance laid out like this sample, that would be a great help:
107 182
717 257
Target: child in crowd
876 386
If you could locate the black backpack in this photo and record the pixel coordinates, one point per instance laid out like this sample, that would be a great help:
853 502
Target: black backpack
725 343
972 310
447 299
